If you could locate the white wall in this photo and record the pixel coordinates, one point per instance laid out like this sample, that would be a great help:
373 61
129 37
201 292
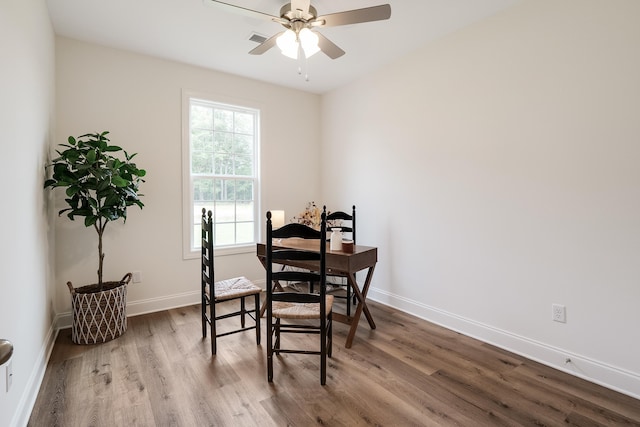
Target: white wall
138 99
498 171
26 110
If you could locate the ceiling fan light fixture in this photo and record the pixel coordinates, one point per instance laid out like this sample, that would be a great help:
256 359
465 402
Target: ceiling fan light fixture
309 41
288 44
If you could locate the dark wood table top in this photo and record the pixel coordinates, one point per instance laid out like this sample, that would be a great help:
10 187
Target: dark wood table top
337 261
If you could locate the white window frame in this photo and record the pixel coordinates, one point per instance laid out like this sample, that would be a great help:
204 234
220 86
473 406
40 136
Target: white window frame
191 242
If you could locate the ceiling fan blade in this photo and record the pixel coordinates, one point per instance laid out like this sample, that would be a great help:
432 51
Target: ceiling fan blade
265 45
241 10
301 5
356 16
329 47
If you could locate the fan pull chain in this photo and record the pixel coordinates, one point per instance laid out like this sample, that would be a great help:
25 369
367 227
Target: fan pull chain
306 69
302 63
306 74
300 56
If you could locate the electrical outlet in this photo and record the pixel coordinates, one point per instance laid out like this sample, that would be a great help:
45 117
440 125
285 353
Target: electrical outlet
137 277
558 313
9 375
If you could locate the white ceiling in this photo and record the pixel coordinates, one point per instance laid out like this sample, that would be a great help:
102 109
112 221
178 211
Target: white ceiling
194 32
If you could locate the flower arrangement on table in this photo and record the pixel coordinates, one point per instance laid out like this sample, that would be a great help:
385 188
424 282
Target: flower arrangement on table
312 216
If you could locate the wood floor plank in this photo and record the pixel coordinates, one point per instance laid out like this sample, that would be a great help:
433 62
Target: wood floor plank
501 397
406 372
58 387
598 403
163 380
438 402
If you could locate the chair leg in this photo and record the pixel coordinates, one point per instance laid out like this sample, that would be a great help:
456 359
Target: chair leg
276 345
242 310
214 333
203 314
269 349
330 335
323 352
257 314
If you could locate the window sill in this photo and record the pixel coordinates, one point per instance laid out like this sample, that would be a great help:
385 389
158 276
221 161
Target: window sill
222 251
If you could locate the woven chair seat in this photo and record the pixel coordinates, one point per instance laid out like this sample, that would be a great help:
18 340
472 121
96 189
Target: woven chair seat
234 288
294 310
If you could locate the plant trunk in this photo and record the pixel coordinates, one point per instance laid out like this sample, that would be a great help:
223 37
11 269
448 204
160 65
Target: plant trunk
100 229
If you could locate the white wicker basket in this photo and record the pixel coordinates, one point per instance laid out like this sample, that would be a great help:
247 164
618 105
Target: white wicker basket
99 315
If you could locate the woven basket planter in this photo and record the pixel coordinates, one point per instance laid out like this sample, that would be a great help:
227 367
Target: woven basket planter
99 315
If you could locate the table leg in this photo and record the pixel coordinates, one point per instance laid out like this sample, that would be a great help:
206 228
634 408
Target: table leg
362 305
361 296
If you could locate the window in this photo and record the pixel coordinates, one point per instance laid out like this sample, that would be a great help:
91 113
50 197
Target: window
220 146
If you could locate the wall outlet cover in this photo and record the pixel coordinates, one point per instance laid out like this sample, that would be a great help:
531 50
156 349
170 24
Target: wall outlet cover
136 277
558 313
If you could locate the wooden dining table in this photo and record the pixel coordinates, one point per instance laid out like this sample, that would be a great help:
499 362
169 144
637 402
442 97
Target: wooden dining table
338 263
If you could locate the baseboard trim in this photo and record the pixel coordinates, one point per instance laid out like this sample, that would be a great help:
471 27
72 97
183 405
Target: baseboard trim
28 400
580 366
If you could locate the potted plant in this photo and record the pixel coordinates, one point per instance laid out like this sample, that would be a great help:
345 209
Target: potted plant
100 187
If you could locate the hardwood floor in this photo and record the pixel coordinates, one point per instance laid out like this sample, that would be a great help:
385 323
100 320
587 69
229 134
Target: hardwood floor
406 372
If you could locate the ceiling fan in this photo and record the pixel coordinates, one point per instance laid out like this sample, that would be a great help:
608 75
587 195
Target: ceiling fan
299 18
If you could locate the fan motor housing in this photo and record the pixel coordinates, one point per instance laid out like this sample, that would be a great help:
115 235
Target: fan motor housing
297 15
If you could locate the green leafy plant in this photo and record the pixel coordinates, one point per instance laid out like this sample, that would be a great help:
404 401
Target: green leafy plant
99 185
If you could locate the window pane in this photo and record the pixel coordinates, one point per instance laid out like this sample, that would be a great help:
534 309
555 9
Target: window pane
223 120
224 164
244 232
244 190
244 211
225 234
243 165
201 162
201 140
201 117
225 212
244 123
243 144
202 192
217 190
225 190
223 142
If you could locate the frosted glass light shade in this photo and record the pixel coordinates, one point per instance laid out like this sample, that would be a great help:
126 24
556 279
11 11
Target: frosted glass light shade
288 44
309 41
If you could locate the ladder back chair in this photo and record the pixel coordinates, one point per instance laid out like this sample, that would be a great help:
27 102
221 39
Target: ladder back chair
298 312
347 224
237 288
